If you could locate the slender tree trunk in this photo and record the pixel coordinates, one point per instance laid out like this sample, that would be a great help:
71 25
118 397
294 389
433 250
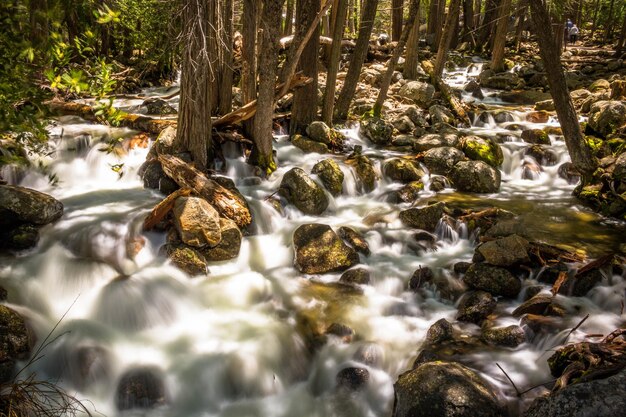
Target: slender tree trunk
304 107
521 21
594 25
391 66
39 28
468 22
579 13
488 23
433 22
396 19
288 26
194 115
549 51
622 39
448 32
333 64
442 17
225 57
497 56
331 27
262 153
608 30
412 45
456 33
249 57
366 24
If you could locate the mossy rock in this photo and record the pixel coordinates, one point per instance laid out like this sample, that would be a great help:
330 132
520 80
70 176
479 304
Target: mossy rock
425 218
304 193
186 258
493 279
309 146
15 341
330 174
318 250
402 170
377 130
481 149
365 173
536 136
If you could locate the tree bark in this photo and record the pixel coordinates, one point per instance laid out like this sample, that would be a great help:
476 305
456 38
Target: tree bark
433 23
488 23
333 64
396 19
366 24
468 22
574 139
288 26
248 57
622 39
497 56
262 153
521 21
412 45
304 107
448 32
608 30
391 66
194 114
227 203
225 55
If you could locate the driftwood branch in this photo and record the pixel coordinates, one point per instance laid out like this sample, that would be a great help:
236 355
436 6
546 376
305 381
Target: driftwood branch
160 211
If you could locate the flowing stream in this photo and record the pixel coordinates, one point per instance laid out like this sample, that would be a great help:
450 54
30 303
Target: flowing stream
227 344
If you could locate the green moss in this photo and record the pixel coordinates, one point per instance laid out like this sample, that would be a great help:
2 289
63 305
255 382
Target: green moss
485 151
265 162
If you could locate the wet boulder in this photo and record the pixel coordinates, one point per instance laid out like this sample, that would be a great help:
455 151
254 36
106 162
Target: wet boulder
440 114
493 279
481 149
157 106
15 342
475 177
153 177
531 170
539 304
186 258
402 170
435 140
24 236
542 154
421 93
509 336
619 169
376 130
505 251
425 218
318 250
320 132
24 205
568 172
599 85
476 306
352 379
229 246
601 397
473 87
545 105
354 239
365 174
444 389
538 116
500 81
537 136
618 89
304 193
165 143
441 160
330 174
359 276
309 146
440 331
606 117
402 124
142 387
197 222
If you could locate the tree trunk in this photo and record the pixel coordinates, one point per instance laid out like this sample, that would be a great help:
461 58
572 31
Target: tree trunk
366 24
441 19
468 22
594 25
433 23
521 21
488 23
248 55
497 56
396 19
225 57
262 153
39 27
608 30
574 139
288 26
304 107
622 39
448 32
194 114
351 18
412 45
333 64
391 66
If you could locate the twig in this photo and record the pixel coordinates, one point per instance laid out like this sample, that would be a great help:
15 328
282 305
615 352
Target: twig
574 329
510 380
537 386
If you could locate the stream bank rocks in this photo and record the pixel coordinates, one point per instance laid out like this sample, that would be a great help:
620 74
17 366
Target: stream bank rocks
23 212
443 389
15 342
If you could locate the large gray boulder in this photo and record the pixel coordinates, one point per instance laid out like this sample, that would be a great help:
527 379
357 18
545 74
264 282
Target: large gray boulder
318 250
603 397
475 177
304 193
505 251
197 222
441 160
421 93
24 205
425 218
444 389
606 117
493 279
435 140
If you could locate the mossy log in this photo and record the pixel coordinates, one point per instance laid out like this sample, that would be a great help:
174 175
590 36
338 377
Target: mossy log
225 201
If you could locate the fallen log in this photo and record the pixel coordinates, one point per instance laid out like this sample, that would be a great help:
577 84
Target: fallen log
286 42
455 104
161 210
225 201
132 121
